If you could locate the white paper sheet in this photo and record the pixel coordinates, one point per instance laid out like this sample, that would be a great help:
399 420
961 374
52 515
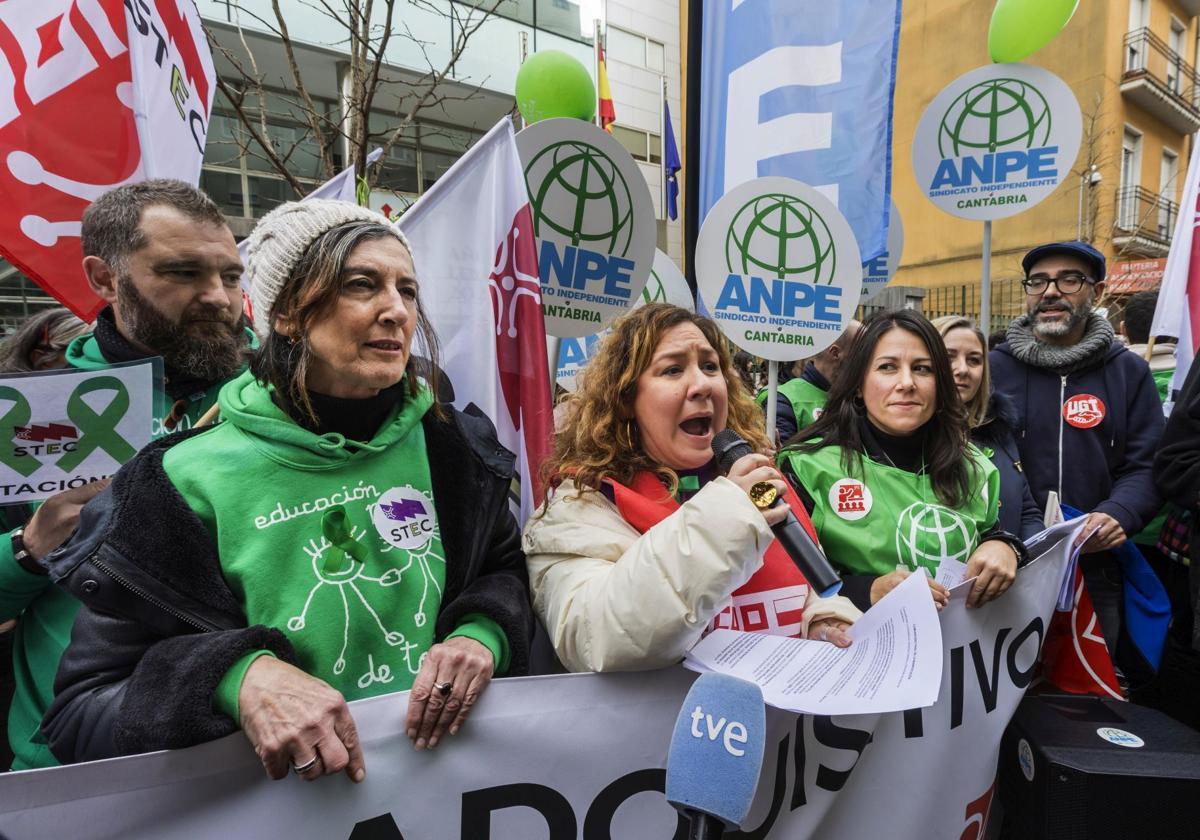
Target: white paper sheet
951 572
895 662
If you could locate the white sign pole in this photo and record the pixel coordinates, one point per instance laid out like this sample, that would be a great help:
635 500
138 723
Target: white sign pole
772 393
985 291
553 346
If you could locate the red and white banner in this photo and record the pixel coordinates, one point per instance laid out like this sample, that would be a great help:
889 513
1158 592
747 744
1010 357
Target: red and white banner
1178 310
93 94
473 246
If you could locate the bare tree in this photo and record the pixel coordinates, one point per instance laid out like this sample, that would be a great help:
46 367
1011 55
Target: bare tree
365 29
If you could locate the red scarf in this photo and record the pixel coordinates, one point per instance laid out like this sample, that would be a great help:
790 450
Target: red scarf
772 601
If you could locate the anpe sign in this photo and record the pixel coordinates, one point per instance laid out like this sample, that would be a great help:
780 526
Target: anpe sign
779 268
665 285
996 141
593 220
879 271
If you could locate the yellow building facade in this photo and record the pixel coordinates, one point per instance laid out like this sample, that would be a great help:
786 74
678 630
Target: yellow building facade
1131 65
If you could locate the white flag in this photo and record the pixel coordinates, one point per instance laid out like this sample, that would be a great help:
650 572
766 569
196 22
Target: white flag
476 260
1178 311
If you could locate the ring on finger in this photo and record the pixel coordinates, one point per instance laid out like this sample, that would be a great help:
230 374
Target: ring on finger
301 769
443 688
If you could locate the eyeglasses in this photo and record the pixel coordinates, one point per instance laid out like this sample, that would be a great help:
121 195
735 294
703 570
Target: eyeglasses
1067 283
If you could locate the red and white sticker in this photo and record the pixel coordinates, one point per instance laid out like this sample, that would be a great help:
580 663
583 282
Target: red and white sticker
850 499
1083 411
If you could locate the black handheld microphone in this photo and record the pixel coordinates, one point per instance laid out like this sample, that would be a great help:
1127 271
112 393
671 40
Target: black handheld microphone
728 447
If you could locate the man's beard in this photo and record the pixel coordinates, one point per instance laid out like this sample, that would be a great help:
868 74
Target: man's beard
1057 329
203 346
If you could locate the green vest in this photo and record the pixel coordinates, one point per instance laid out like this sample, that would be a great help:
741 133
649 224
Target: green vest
889 518
808 401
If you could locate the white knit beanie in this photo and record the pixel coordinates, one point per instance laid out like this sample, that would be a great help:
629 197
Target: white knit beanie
282 236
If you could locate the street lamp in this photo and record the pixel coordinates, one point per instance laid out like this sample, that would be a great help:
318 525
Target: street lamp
1093 177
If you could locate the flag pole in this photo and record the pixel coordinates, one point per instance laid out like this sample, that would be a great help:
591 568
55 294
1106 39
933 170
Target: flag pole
553 346
662 146
985 291
772 393
596 67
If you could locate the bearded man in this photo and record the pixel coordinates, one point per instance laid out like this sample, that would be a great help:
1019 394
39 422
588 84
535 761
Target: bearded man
1089 418
161 255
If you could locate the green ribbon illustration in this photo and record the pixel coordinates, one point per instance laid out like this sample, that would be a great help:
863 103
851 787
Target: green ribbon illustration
98 431
336 528
19 415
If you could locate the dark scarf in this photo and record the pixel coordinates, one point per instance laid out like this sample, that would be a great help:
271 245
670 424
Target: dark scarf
353 419
1088 352
116 349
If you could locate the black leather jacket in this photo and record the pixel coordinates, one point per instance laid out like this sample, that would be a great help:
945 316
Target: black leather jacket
159 626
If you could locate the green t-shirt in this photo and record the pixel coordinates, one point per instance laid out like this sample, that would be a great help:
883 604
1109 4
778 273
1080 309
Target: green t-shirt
889 518
359 607
47 612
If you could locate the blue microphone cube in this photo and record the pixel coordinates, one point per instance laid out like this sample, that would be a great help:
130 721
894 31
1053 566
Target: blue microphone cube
717 748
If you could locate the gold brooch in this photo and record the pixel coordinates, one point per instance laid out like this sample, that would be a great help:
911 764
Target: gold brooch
764 494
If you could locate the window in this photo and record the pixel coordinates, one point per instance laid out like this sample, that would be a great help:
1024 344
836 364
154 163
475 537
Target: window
638 50
643 145
1175 57
1131 164
1167 176
1139 18
565 18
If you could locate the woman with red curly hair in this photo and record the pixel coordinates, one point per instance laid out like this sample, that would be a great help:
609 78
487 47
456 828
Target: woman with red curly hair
641 547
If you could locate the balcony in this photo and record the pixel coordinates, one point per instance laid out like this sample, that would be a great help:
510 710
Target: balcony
1160 82
1144 222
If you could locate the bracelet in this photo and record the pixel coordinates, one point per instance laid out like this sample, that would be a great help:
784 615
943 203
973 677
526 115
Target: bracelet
22 556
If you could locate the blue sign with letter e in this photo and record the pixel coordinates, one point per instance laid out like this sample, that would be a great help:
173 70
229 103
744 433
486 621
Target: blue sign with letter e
802 89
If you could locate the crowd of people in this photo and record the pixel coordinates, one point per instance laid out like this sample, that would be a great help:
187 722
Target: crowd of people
339 531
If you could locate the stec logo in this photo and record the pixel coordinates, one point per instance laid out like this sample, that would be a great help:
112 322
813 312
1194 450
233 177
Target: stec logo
850 499
1009 121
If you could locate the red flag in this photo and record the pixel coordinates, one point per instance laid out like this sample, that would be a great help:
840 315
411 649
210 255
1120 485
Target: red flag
1075 657
608 112
476 259
72 75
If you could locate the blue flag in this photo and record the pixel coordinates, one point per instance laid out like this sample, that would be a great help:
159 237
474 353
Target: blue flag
671 164
803 89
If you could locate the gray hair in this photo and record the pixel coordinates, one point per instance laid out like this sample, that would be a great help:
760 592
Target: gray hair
111 223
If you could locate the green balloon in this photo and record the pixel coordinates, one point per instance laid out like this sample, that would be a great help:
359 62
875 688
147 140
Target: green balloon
1022 27
552 83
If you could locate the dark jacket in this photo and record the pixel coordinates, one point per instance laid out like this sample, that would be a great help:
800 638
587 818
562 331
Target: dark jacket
1177 464
1104 468
785 412
1019 513
160 627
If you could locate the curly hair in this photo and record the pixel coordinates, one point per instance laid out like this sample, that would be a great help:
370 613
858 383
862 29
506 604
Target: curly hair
599 437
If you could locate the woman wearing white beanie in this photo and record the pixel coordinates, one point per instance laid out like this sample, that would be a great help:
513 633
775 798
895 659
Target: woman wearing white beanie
340 535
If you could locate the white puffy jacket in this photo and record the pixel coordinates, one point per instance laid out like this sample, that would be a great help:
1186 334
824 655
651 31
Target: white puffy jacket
616 600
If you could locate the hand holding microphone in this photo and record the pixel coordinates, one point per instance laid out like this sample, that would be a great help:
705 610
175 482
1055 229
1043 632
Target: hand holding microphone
756 468
729 450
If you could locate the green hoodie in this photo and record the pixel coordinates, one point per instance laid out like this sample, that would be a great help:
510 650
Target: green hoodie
334 542
47 612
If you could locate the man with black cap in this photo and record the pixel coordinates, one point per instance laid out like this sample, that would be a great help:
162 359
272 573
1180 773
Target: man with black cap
1089 417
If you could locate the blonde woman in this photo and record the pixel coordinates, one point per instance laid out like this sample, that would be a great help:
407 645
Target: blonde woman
641 546
992 419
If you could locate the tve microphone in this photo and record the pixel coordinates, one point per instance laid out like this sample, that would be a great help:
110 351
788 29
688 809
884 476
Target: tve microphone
716 754
728 447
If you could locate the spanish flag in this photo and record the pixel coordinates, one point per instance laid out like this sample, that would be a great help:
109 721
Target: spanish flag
608 114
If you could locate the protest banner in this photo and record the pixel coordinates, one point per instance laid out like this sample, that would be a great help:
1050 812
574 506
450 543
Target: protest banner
664 285
1177 313
63 429
811 102
878 272
93 94
593 221
582 756
473 248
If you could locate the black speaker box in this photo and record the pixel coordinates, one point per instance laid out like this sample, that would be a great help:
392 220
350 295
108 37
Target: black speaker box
1089 768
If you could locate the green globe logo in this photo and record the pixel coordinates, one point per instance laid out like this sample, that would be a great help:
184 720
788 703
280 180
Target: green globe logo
928 534
577 191
781 236
654 291
995 114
